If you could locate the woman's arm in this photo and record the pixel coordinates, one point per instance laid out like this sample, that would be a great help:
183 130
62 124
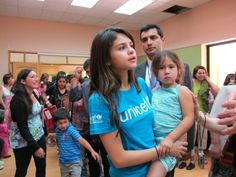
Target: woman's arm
1 100
124 158
215 88
210 123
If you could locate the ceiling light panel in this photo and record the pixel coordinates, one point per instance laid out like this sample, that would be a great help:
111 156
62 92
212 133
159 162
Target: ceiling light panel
84 3
132 6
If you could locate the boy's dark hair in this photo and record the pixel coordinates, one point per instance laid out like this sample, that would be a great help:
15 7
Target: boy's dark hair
60 113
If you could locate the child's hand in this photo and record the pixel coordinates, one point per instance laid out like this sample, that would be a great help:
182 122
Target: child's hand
165 146
95 155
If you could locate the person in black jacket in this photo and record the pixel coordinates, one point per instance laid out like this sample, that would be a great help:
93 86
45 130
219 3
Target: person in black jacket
26 133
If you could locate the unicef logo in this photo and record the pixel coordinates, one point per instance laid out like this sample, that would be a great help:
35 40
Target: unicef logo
96 119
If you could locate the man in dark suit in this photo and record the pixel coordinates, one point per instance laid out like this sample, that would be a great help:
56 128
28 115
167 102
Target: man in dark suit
152 39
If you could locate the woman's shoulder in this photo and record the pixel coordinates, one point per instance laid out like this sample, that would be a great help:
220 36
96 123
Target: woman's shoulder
16 100
141 82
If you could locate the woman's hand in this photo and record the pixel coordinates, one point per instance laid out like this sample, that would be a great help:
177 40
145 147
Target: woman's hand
179 149
40 153
228 117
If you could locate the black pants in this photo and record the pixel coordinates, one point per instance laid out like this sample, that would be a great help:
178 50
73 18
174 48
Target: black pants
23 157
171 173
1 146
94 168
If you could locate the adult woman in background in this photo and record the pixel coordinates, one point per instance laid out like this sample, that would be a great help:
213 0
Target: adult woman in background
202 85
26 131
5 89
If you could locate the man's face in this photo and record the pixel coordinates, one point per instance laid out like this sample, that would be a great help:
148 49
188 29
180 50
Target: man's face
151 42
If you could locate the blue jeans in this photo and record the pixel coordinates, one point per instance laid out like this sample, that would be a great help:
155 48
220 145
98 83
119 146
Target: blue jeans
71 170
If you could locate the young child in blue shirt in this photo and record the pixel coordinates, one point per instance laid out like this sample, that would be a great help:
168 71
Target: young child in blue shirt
173 109
68 139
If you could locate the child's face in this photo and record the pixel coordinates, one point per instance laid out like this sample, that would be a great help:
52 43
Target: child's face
62 124
167 73
123 54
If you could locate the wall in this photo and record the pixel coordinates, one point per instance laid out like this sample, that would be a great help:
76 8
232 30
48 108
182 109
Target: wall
213 21
21 34
190 55
210 22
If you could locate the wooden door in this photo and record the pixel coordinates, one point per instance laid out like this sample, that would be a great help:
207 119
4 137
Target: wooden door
17 67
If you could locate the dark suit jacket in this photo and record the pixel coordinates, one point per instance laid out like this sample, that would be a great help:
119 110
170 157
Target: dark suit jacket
140 71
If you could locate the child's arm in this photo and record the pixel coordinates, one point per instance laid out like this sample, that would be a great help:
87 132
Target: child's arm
187 106
86 144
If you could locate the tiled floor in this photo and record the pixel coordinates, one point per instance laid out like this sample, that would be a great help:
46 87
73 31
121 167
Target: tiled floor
53 169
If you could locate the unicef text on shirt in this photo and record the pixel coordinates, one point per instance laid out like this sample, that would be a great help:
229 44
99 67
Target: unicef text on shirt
136 111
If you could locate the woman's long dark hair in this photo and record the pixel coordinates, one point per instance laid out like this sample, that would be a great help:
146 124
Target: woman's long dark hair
20 91
103 79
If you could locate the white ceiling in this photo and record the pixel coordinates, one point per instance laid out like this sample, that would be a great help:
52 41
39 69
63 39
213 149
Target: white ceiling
101 14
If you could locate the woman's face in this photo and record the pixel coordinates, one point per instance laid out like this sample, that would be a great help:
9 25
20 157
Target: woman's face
123 54
31 81
11 81
45 80
61 83
201 74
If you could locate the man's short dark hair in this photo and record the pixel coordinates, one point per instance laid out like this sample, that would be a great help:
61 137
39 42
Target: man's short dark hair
151 26
61 113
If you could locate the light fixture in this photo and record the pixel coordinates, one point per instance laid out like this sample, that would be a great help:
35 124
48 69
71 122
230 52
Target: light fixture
84 3
132 6
40 0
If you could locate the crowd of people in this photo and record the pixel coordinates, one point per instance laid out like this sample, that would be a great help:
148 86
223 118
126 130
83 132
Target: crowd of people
116 116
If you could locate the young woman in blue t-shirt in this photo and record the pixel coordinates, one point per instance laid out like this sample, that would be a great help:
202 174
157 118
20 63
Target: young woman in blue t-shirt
119 105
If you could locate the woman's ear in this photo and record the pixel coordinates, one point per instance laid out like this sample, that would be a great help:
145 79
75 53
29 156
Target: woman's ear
22 81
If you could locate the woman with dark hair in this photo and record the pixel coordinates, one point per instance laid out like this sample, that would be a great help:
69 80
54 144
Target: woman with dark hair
119 105
26 131
5 89
59 93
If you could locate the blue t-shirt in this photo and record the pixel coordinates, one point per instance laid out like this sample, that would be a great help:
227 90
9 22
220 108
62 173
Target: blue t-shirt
67 141
136 116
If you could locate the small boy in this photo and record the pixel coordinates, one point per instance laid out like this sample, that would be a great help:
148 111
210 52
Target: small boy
68 139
